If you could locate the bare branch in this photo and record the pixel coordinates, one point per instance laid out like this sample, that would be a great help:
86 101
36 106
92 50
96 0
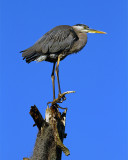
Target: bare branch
37 117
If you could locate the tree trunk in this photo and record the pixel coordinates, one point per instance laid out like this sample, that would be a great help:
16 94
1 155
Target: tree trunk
49 142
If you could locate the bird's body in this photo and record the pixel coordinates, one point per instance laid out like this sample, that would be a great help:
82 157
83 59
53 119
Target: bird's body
56 44
62 40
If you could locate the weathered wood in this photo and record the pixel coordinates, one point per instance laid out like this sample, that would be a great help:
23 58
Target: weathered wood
37 117
57 120
49 143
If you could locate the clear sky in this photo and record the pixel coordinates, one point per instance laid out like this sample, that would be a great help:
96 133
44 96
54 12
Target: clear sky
96 117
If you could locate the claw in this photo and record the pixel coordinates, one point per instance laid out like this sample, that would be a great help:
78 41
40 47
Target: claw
60 98
64 98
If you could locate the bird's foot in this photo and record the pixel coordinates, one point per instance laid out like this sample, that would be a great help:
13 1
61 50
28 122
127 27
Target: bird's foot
61 98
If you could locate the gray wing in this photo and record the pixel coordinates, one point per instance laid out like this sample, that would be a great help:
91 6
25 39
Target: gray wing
60 38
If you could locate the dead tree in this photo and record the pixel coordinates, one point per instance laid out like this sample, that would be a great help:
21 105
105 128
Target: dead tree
49 142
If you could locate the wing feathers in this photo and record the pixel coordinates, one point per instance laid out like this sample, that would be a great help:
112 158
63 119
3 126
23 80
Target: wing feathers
60 38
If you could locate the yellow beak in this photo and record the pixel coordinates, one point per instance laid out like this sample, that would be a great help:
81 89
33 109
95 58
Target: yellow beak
94 31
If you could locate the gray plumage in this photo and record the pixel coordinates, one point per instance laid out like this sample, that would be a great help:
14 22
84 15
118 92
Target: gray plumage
56 44
62 39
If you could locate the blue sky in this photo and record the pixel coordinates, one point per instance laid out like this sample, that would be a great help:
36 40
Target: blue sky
96 118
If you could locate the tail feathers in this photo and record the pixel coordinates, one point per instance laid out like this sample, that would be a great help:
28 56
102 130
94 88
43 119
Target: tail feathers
32 57
30 54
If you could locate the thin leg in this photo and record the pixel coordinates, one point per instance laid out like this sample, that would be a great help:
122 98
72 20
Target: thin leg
57 73
53 80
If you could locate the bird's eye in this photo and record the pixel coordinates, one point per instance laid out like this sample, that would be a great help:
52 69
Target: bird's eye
86 27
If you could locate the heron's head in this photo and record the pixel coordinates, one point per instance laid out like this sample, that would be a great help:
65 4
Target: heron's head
85 29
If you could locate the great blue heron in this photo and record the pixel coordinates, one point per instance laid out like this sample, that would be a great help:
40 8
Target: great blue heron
56 44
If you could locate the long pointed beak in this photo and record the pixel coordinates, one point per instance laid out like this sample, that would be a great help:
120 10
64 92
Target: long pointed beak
94 31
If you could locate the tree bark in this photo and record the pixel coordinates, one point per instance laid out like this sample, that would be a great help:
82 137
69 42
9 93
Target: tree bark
49 143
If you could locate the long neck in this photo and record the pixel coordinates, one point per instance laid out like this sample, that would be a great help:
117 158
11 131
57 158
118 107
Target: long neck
78 45
82 40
